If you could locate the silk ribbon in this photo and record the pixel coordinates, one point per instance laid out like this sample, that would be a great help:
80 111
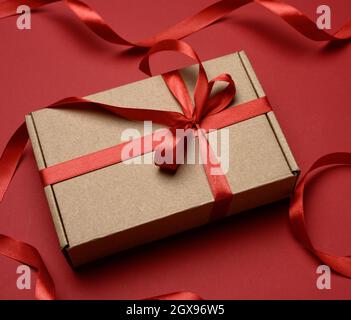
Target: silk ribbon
295 18
340 264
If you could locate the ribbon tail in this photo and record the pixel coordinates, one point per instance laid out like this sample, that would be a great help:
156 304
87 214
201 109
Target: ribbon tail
11 248
28 255
340 264
218 181
9 8
199 20
297 20
11 157
202 19
96 23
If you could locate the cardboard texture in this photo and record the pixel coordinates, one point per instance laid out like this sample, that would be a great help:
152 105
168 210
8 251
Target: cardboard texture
125 205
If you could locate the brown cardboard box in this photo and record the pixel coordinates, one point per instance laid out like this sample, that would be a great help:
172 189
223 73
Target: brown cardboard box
125 205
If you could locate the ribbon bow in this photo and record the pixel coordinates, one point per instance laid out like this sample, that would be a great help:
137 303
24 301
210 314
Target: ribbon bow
204 107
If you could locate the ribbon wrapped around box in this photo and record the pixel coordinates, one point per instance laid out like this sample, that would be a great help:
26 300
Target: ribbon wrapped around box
101 204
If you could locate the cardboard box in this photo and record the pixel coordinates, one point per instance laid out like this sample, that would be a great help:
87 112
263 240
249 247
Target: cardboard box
124 205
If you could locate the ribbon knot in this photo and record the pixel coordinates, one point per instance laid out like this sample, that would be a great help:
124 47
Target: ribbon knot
193 124
175 145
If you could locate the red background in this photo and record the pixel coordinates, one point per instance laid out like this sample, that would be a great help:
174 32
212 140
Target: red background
253 255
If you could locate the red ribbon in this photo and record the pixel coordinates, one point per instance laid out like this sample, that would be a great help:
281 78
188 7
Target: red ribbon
340 264
27 254
13 151
198 21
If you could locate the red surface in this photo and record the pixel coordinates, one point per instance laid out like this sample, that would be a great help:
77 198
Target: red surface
253 255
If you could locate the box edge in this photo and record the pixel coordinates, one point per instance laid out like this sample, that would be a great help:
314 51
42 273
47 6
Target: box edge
283 142
49 193
270 115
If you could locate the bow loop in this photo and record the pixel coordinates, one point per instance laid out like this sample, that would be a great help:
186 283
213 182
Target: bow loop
222 98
